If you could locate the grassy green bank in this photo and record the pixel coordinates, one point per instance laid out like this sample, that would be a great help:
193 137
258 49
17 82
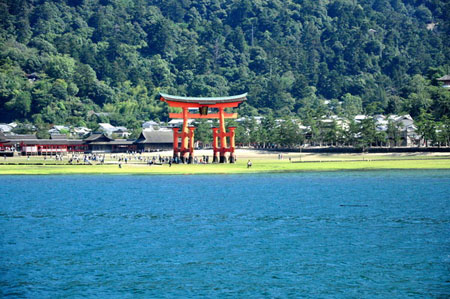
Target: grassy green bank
259 166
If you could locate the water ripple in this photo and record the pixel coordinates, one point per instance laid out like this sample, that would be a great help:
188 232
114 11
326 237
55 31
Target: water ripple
320 235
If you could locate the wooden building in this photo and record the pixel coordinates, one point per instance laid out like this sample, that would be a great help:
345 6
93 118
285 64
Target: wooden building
31 145
149 140
101 143
153 140
51 146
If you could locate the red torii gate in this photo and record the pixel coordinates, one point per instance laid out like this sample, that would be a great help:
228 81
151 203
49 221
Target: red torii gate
219 134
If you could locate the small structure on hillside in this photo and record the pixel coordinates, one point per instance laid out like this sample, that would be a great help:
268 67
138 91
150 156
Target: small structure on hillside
80 131
109 129
151 124
446 80
6 128
59 130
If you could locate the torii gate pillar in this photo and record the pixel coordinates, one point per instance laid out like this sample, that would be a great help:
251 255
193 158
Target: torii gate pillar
215 145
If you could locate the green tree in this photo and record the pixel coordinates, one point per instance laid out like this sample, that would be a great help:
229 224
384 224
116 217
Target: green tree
61 67
426 127
20 104
288 133
352 105
368 133
394 133
203 132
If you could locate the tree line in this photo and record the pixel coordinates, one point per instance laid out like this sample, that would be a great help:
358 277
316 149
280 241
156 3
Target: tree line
289 132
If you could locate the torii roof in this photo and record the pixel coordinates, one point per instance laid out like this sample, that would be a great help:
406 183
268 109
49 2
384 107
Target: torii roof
204 100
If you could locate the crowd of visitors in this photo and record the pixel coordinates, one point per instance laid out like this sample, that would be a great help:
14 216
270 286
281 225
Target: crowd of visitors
131 157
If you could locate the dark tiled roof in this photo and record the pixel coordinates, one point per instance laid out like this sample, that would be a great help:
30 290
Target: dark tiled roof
445 78
33 140
53 142
98 137
58 137
157 136
21 137
113 142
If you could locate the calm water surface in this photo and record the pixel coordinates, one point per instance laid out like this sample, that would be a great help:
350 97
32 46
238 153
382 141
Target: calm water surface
317 235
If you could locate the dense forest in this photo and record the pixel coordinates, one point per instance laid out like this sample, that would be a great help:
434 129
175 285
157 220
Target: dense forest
80 62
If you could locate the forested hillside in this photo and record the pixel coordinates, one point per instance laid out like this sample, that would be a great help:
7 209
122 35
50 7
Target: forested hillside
61 61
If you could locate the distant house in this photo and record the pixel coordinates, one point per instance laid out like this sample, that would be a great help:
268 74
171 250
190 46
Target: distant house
122 132
258 119
381 123
59 130
150 124
53 131
445 80
29 127
62 128
32 77
80 131
410 137
178 122
152 140
379 118
339 121
22 128
360 117
408 130
5 128
109 130
102 114
402 120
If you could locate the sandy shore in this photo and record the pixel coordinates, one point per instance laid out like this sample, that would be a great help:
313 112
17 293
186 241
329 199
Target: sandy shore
264 154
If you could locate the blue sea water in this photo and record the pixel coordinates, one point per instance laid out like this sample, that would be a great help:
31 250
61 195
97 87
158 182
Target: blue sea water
374 234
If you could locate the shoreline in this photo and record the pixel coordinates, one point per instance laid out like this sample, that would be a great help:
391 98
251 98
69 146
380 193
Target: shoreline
224 173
